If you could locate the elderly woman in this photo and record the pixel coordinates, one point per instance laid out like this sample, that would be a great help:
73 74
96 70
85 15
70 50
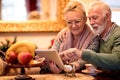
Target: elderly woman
79 34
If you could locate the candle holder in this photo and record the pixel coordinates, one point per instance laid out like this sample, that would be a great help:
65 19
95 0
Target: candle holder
69 70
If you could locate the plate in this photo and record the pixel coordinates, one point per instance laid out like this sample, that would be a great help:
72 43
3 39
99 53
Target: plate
91 73
34 63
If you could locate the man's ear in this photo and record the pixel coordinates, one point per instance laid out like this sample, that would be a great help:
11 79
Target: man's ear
108 16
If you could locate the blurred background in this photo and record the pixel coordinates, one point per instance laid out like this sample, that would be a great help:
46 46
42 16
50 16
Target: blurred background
23 10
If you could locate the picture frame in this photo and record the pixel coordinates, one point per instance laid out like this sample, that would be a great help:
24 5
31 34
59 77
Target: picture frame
37 25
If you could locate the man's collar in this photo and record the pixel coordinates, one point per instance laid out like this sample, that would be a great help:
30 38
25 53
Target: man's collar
107 34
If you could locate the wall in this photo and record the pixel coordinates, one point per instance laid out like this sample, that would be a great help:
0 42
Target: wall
41 39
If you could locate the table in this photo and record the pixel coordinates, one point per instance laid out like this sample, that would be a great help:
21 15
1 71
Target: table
34 73
79 76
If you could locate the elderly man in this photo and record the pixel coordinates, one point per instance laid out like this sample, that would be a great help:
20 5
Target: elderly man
108 57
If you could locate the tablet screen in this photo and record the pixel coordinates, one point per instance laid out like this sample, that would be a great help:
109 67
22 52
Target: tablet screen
50 54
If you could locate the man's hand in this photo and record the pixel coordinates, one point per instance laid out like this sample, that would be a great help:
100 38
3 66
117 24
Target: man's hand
62 35
70 55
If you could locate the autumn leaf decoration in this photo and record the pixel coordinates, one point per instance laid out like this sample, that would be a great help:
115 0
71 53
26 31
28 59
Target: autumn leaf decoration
5 45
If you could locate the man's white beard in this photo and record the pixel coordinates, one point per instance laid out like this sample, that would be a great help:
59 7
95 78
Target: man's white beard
100 28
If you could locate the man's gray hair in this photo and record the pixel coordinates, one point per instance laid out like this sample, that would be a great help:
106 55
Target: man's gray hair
104 6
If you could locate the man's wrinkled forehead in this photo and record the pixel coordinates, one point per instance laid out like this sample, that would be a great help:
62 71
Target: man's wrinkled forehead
95 11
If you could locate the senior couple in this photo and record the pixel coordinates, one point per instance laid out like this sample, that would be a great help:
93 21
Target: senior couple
79 44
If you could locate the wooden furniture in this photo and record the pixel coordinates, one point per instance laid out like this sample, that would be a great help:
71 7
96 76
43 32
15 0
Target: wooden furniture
79 76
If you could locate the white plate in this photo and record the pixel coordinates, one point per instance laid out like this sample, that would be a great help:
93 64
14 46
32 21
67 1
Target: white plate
91 73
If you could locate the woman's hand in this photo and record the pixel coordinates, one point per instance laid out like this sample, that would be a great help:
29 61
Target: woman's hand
54 68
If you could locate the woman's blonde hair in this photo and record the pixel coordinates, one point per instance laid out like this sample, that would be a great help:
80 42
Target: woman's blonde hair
75 5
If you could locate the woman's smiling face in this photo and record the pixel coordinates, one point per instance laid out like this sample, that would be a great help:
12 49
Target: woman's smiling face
75 21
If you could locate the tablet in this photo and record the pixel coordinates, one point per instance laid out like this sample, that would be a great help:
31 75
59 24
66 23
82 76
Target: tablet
50 55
